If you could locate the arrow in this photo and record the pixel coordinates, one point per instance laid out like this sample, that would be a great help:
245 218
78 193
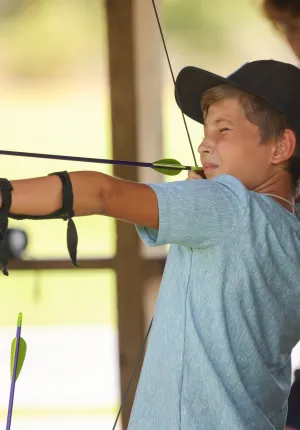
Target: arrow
166 166
17 357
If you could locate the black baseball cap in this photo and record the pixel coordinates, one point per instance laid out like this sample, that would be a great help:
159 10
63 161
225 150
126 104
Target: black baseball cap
276 82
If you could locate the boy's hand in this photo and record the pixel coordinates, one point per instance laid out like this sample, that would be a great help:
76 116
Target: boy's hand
195 175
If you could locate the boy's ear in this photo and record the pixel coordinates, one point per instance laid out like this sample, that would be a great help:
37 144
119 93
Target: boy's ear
285 147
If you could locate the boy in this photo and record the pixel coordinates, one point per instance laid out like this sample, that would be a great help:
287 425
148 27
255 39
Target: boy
228 311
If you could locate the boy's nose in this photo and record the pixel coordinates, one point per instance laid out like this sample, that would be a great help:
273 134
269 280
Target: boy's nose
205 146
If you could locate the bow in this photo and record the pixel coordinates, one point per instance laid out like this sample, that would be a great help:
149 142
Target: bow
196 168
164 166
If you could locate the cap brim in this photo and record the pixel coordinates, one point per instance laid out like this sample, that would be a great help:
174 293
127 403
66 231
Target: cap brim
191 84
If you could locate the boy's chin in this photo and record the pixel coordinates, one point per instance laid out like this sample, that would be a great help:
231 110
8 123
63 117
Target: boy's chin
210 174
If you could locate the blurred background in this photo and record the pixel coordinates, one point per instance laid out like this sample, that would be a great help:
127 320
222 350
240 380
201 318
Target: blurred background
55 98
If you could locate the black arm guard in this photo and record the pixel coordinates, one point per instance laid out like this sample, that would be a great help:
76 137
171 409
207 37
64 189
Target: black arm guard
66 213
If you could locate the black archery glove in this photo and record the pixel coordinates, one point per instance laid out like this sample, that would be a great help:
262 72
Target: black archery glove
5 189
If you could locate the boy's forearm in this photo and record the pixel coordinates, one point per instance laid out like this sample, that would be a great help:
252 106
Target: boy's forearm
42 196
94 193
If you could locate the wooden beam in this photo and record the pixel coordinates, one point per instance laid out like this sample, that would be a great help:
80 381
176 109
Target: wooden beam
150 268
149 91
104 263
130 73
149 96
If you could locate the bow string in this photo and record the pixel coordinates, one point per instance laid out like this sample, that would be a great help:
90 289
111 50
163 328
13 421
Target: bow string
165 166
196 168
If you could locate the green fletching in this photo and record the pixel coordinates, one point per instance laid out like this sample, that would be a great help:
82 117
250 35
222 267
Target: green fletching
21 357
160 166
20 318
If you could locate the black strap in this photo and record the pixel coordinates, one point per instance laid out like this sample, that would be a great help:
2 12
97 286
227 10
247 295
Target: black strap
5 189
66 213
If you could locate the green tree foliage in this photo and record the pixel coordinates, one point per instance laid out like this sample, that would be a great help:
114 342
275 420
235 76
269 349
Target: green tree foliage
194 21
48 37
207 24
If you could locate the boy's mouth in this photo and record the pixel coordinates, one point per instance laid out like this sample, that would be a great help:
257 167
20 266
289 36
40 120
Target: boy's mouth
209 166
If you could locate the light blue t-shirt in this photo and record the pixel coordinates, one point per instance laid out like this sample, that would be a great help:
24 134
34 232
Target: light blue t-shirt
228 311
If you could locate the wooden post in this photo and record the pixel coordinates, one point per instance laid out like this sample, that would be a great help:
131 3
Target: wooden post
136 116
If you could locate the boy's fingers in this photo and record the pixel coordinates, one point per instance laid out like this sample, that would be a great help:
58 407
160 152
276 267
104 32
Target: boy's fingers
194 175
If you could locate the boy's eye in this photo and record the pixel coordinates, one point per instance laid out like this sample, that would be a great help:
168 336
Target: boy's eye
224 129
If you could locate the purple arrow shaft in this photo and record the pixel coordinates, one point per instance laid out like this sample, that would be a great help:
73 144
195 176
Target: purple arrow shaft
13 380
85 159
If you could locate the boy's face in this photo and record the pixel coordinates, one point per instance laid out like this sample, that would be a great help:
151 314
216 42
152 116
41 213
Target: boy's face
232 145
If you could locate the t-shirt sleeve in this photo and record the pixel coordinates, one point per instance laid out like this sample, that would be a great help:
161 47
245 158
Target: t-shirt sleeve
197 213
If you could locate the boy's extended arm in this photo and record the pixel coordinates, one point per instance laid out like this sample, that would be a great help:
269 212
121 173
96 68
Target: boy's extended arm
94 193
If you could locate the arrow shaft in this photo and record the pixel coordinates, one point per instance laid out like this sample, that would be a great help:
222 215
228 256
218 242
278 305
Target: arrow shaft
91 160
13 380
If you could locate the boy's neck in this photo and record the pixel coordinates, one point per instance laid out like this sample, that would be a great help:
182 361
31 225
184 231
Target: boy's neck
281 187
